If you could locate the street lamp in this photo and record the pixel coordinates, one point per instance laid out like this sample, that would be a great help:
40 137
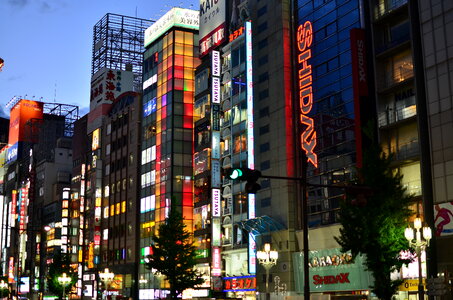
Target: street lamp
106 277
419 242
267 258
64 280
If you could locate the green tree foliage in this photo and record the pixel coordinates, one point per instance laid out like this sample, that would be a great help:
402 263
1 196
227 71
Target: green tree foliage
61 264
174 255
373 224
4 292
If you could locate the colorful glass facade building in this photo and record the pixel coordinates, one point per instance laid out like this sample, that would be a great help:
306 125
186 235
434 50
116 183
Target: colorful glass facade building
166 169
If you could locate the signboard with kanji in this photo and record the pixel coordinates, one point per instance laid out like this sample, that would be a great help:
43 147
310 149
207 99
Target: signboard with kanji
107 84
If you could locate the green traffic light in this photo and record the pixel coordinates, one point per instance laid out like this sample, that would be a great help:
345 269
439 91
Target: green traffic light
236 173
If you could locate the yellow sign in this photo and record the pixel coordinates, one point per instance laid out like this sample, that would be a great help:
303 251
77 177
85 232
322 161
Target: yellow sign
410 285
95 142
91 255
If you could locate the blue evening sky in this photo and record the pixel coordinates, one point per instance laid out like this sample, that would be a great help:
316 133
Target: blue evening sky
46 45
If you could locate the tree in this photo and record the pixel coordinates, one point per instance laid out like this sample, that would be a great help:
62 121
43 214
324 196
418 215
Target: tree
60 264
374 224
174 255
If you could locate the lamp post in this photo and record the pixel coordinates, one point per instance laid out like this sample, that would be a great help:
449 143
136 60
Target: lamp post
267 258
64 280
419 239
106 277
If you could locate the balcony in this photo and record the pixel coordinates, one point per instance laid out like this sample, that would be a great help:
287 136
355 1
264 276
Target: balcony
405 151
393 44
396 76
386 7
392 116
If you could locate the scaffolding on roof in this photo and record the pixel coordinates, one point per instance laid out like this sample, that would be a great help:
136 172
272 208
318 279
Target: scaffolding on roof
118 43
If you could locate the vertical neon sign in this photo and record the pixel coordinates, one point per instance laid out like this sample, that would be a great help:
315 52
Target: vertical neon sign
250 139
308 136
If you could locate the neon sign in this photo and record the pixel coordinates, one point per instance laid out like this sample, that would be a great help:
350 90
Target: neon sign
305 78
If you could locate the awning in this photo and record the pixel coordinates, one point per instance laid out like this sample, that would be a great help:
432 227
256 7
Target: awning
260 225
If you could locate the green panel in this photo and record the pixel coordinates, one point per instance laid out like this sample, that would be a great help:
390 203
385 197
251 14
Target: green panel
330 271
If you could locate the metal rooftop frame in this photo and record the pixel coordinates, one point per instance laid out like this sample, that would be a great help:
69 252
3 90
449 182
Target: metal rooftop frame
118 42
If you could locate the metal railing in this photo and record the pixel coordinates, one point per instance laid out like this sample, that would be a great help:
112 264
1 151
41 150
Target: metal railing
391 115
386 7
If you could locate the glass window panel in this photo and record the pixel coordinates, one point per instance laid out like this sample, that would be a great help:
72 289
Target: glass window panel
188 38
188 61
188 73
179 60
188 86
188 50
179 84
179 36
179 48
188 97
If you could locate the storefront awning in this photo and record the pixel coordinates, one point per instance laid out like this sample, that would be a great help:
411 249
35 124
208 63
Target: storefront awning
261 225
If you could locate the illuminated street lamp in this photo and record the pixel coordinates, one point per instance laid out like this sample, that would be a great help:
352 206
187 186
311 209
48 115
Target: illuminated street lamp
419 240
64 280
106 277
267 258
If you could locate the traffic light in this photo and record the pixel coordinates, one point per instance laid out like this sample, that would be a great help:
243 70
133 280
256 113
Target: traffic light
245 174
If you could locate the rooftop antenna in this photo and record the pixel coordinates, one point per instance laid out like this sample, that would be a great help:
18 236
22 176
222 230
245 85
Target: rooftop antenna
55 93
136 11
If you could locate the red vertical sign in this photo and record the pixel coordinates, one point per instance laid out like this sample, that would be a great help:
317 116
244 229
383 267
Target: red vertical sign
360 83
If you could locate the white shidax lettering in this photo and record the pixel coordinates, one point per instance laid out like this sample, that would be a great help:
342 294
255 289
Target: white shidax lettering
361 60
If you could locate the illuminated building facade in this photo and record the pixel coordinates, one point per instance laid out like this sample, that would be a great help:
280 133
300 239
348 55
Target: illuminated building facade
35 194
166 170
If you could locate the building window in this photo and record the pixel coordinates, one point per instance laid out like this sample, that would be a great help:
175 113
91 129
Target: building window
264 129
263 77
263 60
264 147
262 43
265 202
262 27
264 112
265 165
262 11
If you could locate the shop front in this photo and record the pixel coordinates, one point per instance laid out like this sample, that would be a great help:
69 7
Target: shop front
332 275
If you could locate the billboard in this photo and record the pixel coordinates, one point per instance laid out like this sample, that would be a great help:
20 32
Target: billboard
443 218
107 84
20 114
331 270
212 24
179 17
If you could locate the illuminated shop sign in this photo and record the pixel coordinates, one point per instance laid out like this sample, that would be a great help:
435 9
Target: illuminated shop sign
176 17
215 63
215 90
237 33
305 78
250 140
150 81
216 232
150 107
95 142
12 152
241 283
216 202
216 262
332 270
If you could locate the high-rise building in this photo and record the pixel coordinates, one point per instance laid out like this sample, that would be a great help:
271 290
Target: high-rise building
167 138
35 192
104 181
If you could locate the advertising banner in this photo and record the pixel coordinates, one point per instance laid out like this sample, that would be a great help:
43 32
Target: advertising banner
179 17
212 24
330 270
443 218
20 114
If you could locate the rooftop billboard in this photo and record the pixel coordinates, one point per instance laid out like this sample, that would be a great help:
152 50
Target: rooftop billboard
20 114
179 17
